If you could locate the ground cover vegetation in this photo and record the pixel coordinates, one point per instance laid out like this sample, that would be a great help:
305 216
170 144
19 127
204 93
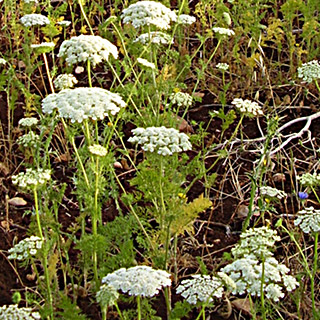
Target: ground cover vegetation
159 160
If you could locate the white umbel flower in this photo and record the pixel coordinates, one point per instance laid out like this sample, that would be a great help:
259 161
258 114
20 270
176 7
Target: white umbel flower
181 99
83 103
28 122
107 296
64 23
148 13
30 1
164 141
308 220
247 107
269 192
34 19
87 47
309 71
2 61
25 248
146 63
65 81
98 150
223 31
138 281
155 37
186 19
48 45
222 66
29 139
31 178
309 179
201 288
13 312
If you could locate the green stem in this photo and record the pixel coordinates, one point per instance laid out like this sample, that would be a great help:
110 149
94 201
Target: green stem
89 72
118 310
314 272
85 16
139 307
202 313
315 193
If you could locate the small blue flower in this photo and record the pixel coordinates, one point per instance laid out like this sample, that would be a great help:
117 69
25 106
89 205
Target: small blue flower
303 195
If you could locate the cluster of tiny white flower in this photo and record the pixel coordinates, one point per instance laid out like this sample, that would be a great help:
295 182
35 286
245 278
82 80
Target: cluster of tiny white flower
2 61
64 23
256 240
309 71
186 19
146 63
30 1
28 122
181 99
247 271
165 141
138 281
223 66
29 140
43 45
83 103
269 192
309 180
13 312
201 288
31 178
98 150
223 31
308 220
155 37
87 47
34 19
247 107
65 81
25 248
107 296
148 13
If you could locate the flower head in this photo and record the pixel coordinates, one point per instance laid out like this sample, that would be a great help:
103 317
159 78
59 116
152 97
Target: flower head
249 108
164 141
64 23
28 122
2 61
223 31
303 195
270 192
201 288
186 19
181 99
48 45
146 63
34 19
25 248
309 71
83 103
30 1
223 66
14 312
65 81
29 139
107 296
31 178
309 180
308 220
98 150
138 281
148 13
155 37
87 47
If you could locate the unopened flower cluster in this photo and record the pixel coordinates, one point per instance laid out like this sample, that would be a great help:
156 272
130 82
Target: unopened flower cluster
223 66
13 312
247 271
83 103
186 19
309 71
34 19
98 150
146 63
87 47
28 122
29 140
201 288
309 180
164 141
223 31
107 296
138 281
247 107
31 178
148 13
25 248
181 99
65 81
269 192
155 37
308 220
